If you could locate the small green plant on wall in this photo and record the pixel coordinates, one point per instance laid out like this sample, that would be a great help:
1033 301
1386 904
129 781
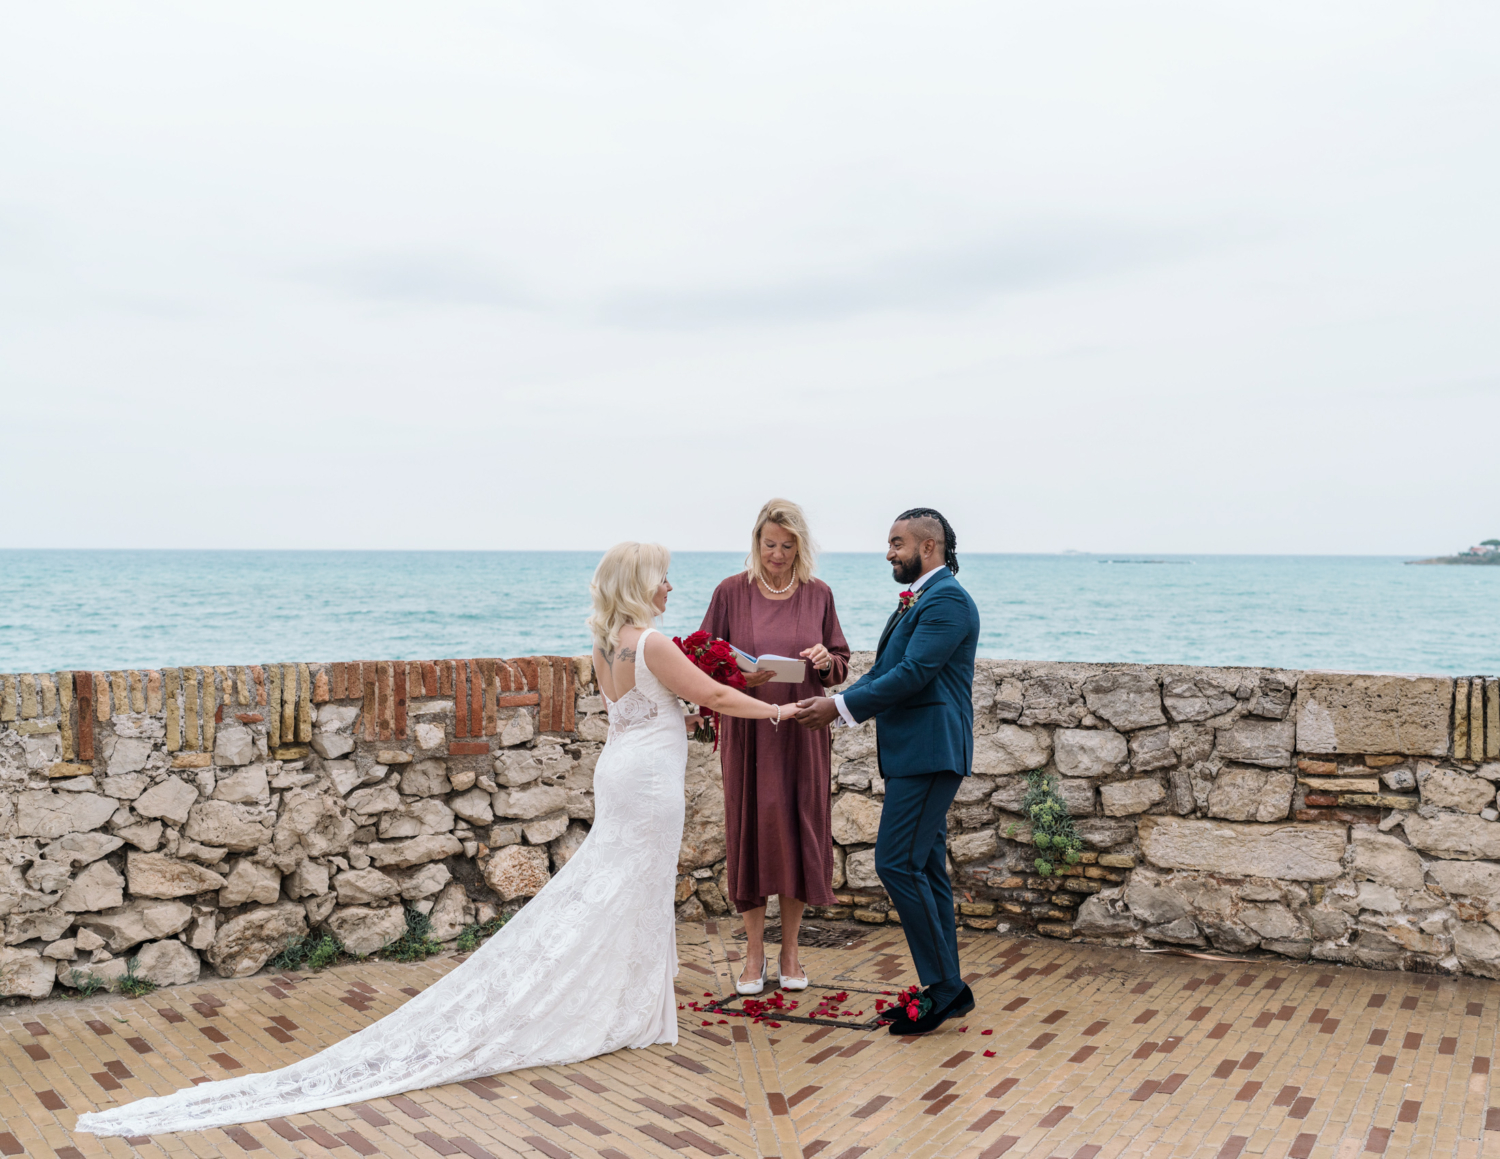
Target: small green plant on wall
304 953
132 984
86 985
1051 828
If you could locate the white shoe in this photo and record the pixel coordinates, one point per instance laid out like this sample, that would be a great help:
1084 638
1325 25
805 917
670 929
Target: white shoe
790 983
756 986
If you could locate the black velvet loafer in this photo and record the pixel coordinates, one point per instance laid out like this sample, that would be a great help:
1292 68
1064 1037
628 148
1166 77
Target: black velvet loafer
893 1018
930 1021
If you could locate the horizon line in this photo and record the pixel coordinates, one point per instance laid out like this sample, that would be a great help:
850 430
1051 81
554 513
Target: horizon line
721 551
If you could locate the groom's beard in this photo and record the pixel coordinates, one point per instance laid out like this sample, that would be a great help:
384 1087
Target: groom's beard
906 571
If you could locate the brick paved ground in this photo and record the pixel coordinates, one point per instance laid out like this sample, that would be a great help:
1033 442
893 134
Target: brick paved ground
1095 1053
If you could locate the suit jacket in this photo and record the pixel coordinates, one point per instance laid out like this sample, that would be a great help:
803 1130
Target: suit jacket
921 688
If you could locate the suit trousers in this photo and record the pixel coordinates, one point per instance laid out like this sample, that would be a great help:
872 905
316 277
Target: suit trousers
911 852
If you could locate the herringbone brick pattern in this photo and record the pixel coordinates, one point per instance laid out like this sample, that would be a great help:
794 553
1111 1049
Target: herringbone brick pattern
1089 1053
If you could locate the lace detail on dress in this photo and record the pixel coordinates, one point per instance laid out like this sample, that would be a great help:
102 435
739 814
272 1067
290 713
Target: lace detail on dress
586 967
628 713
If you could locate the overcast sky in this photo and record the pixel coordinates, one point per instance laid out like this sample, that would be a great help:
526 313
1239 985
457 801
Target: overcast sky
1114 276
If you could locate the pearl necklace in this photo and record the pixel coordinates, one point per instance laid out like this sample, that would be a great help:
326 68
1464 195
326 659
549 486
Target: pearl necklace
779 591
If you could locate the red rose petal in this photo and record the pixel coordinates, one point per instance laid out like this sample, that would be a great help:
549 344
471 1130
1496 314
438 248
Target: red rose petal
986 1032
989 1054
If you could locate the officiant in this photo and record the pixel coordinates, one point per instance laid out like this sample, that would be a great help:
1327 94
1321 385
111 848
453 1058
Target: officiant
776 779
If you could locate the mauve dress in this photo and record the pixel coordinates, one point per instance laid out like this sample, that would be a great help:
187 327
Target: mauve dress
776 798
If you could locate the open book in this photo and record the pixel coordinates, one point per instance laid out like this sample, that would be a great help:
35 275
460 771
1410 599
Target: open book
788 669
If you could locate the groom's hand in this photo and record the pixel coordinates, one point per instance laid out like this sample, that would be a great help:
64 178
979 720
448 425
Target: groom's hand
816 712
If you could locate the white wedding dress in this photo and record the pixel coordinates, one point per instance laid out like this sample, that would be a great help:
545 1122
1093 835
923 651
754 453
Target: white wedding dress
586 967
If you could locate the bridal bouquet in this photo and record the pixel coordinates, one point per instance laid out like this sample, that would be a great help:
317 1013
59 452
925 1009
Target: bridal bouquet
716 658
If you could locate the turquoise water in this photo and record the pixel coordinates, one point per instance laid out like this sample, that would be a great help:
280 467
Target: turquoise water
121 609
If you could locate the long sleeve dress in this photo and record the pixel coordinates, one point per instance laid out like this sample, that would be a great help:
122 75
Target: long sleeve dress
776 798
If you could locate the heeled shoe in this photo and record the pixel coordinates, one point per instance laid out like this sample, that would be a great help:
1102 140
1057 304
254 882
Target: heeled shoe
755 987
792 983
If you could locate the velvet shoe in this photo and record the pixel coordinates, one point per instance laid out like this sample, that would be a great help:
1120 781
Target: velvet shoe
896 1015
930 1021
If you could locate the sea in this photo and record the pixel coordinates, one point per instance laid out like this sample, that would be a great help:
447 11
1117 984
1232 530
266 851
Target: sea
148 609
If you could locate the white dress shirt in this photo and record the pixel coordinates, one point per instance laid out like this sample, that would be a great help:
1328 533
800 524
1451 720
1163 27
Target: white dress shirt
838 700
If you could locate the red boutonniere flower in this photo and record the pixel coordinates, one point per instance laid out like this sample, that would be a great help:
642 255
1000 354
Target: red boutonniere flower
908 600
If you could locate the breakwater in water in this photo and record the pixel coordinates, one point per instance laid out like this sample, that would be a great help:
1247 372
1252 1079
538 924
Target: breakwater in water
201 818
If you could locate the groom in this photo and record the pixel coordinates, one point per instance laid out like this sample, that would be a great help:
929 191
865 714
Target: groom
920 691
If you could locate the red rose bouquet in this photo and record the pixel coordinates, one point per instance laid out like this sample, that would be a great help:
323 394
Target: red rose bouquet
715 658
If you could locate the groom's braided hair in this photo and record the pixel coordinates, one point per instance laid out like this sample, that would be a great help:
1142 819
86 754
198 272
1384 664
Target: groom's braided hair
950 541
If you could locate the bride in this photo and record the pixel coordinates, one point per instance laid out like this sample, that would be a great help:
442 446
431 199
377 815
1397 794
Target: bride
587 966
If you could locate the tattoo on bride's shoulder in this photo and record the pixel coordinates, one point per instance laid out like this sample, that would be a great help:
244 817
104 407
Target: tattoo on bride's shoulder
608 654
627 654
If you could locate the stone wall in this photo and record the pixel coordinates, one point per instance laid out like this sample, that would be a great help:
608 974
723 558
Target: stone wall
1347 818
203 817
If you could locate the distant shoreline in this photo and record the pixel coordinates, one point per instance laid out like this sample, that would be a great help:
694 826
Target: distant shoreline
1476 560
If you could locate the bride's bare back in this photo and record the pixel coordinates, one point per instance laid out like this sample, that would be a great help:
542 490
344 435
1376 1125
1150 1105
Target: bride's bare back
615 669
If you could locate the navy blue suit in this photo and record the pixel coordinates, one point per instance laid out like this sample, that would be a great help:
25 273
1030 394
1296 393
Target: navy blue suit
921 694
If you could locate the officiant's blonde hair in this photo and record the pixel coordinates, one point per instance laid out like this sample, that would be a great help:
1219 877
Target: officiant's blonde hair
784 513
622 589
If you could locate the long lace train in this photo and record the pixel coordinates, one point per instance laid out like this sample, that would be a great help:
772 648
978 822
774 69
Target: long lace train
583 969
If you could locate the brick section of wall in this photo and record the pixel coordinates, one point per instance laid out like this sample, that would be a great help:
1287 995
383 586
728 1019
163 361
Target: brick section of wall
274 691
399 719
491 690
304 704
190 738
210 707
456 677
83 696
476 697
386 691
65 713
1491 719
1476 719
547 717
370 715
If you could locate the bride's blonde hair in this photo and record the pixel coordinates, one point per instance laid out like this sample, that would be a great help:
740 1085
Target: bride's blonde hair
622 590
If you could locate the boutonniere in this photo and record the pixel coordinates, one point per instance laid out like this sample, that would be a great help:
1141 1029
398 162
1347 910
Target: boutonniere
908 600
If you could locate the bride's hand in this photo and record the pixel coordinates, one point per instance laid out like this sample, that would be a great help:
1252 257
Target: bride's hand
694 723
